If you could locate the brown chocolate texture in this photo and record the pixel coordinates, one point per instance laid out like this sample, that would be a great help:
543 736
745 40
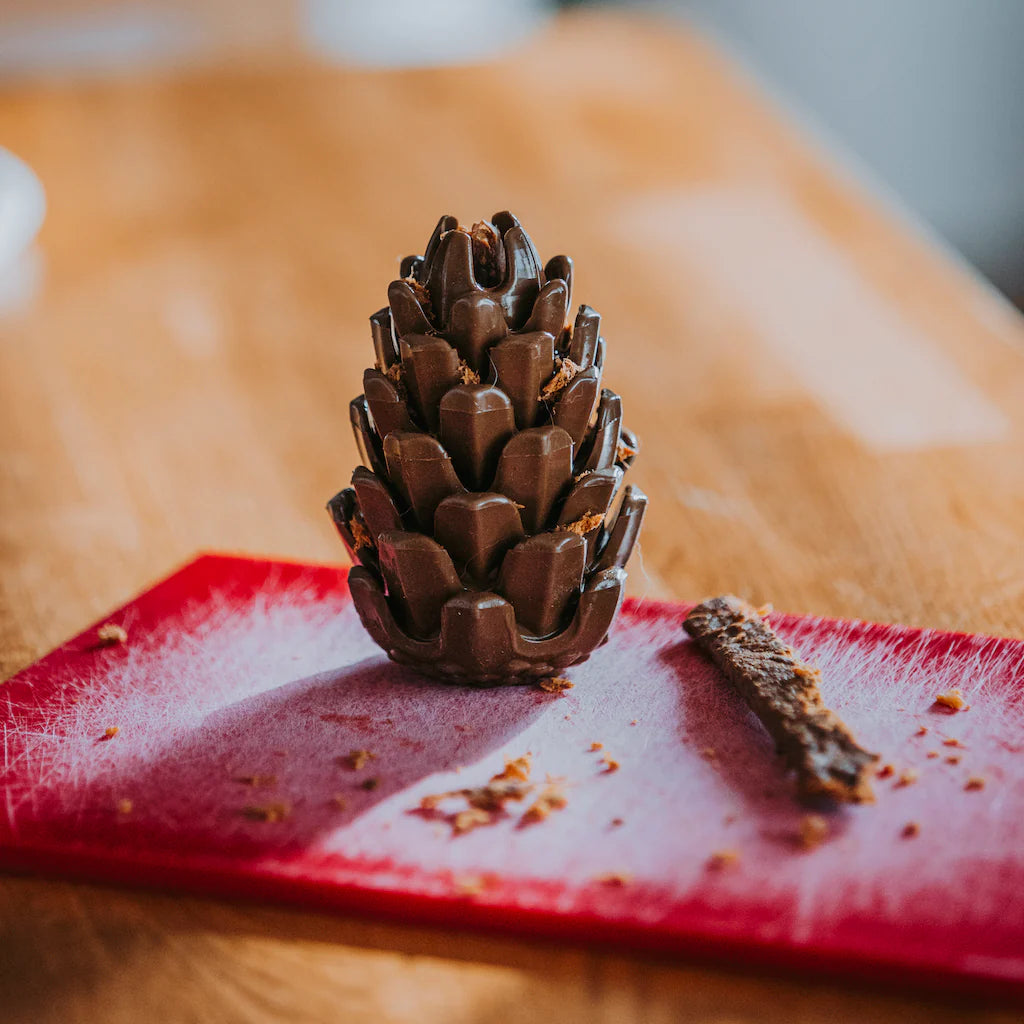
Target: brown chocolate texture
783 692
488 521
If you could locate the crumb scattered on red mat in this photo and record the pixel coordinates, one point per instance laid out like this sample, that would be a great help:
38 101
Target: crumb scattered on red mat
110 634
357 759
922 730
813 831
615 879
953 759
515 768
885 771
554 684
125 806
256 781
473 817
709 754
975 782
596 745
618 822
610 764
951 742
111 731
932 754
339 802
910 830
907 778
469 885
267 812
489 797
370 784
722 859
952 699
551 799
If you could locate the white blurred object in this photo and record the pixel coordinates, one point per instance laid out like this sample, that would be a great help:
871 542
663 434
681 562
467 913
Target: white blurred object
22 209
418 33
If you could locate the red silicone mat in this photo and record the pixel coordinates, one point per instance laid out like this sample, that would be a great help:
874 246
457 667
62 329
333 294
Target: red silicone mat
237 668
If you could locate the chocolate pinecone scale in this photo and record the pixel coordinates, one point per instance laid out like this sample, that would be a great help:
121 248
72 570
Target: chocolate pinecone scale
488 521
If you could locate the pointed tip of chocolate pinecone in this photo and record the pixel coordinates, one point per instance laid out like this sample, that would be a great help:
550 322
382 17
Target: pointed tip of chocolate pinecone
488 517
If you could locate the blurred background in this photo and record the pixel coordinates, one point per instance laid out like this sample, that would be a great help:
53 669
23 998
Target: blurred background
924 99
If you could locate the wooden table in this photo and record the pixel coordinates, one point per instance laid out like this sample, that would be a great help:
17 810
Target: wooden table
832 412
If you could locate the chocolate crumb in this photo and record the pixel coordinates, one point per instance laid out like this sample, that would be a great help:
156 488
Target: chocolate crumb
466 821
932 754
709 754
922 730
421 292
610 765
551 799
885 771
617 822
267 812
907 778
722 859
951 742
357 759
360 535
490 797
125 806
111 731
813 831
975 782
596 745
567 369
339 802
953 759
488 254
624 452
517 768
467 374
910 830
554 684
110 634
615 879
370 784
952 699
585 524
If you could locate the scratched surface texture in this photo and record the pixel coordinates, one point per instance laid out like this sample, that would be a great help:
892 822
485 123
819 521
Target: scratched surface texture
245 687
831 411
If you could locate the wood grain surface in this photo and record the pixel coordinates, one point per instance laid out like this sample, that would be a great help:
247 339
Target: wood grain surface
832 414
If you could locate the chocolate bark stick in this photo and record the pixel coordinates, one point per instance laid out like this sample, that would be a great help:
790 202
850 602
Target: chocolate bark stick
783 692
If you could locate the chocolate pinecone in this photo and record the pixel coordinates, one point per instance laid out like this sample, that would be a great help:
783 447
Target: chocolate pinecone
487 521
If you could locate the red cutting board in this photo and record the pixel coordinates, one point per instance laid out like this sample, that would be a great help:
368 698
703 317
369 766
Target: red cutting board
237 667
